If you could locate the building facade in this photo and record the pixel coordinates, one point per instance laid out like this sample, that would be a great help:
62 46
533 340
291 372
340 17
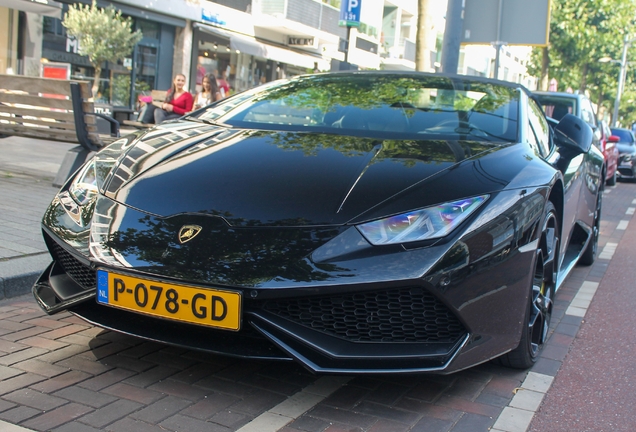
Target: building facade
247 42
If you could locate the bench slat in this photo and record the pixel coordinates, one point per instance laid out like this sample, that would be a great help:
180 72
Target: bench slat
39 132
35 84
86 90
137 124
57 115
37 101
90 119
39 122
159 95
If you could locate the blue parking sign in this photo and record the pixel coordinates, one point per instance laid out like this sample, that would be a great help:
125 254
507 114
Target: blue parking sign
350 13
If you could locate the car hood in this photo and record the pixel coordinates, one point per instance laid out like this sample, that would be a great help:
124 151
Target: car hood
278 178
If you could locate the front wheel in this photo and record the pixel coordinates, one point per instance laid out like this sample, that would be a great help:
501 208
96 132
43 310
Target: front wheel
541 298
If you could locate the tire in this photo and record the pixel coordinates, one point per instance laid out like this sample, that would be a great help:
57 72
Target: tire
612 180
541 299
589 254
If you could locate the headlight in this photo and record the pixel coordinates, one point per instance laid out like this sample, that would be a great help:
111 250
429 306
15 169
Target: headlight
424 224
90 178
84 187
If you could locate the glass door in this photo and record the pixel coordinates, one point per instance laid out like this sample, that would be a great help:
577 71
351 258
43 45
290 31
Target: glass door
144 70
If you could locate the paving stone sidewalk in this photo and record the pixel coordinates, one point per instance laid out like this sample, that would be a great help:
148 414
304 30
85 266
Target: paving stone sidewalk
27 170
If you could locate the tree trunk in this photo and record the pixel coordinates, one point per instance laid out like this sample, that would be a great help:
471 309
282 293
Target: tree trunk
422 37
545 68
98 73
584 72
452 36
600 112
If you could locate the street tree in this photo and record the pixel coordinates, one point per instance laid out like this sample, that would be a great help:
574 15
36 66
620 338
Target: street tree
581 33
422 36
103 35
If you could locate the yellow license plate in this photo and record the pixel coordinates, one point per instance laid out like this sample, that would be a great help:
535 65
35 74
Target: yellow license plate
203 306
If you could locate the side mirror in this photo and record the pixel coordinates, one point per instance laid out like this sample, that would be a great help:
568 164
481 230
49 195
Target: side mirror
613 138
574 134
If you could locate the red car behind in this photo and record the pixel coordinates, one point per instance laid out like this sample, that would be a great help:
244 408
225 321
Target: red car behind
610 153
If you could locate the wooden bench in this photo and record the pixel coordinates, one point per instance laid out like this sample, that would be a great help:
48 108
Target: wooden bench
52 109
56 110
158 97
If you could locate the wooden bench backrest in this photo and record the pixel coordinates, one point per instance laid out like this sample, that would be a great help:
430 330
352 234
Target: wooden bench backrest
159 95
42 108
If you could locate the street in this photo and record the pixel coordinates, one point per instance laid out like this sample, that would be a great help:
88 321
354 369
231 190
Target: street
62 374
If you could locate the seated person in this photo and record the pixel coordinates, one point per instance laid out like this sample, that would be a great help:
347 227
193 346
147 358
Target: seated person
178 101
146 109
210 92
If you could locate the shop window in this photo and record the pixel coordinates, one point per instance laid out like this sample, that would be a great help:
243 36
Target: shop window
120 89
214 58
145 69
53 26
150 30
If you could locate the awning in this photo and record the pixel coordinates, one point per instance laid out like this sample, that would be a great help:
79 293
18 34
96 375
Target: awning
292 57
249 45
43 7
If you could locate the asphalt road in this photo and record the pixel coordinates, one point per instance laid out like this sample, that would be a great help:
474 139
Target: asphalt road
61 374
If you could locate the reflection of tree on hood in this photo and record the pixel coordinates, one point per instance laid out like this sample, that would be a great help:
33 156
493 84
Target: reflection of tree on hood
327 92
248 257
407 152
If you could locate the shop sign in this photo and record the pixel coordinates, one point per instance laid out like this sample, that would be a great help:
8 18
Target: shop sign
350 13
72 44
212 17
64 57
56 70
303 41
103 109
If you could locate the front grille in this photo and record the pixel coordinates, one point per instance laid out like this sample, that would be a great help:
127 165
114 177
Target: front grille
80 273
401 315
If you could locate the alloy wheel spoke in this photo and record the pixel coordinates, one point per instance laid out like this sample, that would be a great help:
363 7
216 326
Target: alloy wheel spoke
550 246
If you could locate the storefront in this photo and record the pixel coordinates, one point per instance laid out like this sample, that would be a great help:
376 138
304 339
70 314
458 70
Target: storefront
35 43
20 34
244 61
148 67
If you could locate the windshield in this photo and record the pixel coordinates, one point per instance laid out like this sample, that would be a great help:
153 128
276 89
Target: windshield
377 105
625 136
557 107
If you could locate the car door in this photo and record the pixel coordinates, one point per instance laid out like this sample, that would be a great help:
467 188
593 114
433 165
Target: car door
572 167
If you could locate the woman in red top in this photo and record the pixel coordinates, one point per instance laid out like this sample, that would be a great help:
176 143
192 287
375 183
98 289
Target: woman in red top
178 101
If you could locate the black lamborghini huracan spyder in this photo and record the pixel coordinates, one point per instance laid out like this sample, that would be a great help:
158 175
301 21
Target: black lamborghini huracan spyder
359 222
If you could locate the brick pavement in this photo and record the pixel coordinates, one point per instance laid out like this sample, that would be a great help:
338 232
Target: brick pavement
61 374
27 170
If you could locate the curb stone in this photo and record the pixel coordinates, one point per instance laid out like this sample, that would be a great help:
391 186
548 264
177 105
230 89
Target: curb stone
17 275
